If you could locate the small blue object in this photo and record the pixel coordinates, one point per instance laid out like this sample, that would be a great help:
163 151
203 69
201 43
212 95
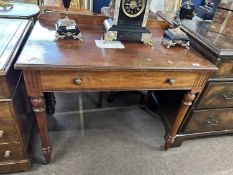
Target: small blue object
97 5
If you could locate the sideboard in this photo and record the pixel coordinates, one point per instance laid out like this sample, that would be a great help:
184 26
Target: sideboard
212 113
15 120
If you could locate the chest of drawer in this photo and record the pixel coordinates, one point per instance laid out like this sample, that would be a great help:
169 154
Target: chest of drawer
225 70
216 95
11 151
5 113
210 120
8 132
116 80
8 83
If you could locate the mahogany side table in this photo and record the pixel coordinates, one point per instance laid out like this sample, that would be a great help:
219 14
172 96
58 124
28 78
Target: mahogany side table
71 65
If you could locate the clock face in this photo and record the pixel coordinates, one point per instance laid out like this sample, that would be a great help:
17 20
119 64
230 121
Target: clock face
133 8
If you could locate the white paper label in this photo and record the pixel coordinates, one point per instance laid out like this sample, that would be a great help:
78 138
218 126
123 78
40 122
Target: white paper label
70 27
109 44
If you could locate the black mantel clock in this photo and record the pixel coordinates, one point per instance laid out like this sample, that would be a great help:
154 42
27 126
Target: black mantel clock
128 23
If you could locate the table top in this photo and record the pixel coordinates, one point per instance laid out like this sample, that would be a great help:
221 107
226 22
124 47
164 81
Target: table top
10 40
42 52
220 44
20 10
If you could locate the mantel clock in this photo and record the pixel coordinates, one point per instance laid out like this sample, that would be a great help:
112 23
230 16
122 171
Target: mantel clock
128 22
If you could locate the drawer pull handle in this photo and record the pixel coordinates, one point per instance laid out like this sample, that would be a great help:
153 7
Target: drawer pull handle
7 154
171 81
228 95
2 134
213 122
78 81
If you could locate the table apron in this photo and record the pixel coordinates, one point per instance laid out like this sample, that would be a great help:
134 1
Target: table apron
116 80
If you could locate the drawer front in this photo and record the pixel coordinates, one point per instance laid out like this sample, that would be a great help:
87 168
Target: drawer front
5 113
217 94
8 132
8 83
116 80
11 151
225 70
4 92
210 120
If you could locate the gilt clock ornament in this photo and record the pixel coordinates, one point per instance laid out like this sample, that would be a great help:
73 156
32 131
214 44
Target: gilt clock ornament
67 28
128 22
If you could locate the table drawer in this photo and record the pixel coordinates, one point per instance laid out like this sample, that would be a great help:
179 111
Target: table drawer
11 151
8 132
5 113
225 70
116 80
210 120
217 94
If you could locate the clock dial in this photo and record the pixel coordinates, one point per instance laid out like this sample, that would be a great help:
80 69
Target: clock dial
133 8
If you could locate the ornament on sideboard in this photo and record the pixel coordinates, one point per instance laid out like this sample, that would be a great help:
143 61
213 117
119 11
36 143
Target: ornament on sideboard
67 28
175 37
5 5
128 21
187 10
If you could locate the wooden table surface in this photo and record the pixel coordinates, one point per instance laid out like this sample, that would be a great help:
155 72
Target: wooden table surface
72 65
41 52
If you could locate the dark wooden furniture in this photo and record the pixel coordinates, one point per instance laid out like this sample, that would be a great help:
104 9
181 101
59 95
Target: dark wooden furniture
212 113
15 122
71 65
20 10
223 18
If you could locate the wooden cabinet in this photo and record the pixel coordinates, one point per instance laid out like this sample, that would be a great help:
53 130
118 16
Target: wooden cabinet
212 112
216 95
15 119
225 69
209 120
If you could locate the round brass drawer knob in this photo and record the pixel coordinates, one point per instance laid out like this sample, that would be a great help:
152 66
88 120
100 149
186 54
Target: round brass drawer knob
2 134
7 154
171 81
78 81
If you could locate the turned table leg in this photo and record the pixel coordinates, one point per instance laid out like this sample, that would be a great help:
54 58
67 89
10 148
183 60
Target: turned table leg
38 106
186 103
